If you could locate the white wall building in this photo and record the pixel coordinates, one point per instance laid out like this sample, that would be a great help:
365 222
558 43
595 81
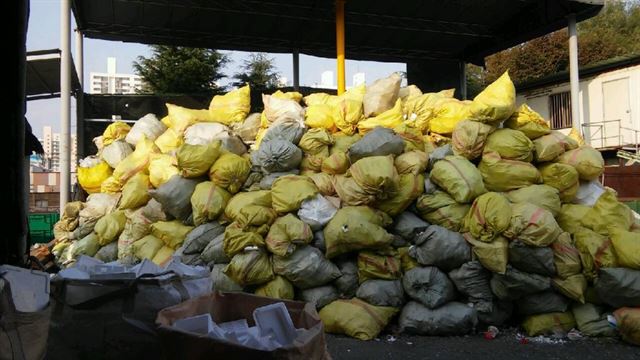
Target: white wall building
112 82
51 145
609 102
359 79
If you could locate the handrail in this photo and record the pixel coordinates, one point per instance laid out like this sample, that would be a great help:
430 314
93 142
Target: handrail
602 129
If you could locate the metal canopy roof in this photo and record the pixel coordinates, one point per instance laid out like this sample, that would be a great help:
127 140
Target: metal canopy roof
376 30
43 75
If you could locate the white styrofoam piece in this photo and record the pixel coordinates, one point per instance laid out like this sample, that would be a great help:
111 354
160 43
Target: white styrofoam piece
29 288
199 324
237 326
74 273
276 318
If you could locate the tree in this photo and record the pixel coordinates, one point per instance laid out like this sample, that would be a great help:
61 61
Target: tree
258 71
178 69
613 32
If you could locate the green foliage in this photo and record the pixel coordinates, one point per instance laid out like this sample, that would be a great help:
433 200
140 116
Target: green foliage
178 69
258 71
613 32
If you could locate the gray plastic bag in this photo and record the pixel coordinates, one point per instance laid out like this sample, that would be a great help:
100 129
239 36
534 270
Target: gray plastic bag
592 320
233 144
221 281
428 285
515 284
472 280
378 142
453 318
440 247
532 259
542 303
347 283
214 253
175 196
409 225
290 131
108 253
618 287
499 315
320 296
278 156
439 154
318 241
306 268
198 239
382 292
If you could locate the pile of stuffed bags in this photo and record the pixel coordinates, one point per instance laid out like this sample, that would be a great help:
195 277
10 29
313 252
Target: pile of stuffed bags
379 205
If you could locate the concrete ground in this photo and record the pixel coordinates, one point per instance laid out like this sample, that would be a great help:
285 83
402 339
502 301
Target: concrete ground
505 346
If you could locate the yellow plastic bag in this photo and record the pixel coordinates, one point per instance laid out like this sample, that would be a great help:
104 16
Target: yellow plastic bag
412 162
115 131
505 175
419 110
450 216
413 138
469 137
317 99
111 186
244 199
549 147
288 192
231 107
496 102
458 177
349 113
528 121
230 172
595 252
342 142
180 118
626 246
565 256
109 227
447 113
608 212
163 255
350 192
492 255
570 217
548 324
408 189
324 183
510 145
575 135
316 141
135 192
389 119
356 228
286 233
434 201
169 142
628 320
532 225
208 202
172 233
336 164
563 177
196 160
381 95
162 167
321 116
406 261
250 268
91 178
356 318
408 92
238 237
587 161
543 196
385 265
489 216
376 175
137 161
289 95
147 247
574 287
278 288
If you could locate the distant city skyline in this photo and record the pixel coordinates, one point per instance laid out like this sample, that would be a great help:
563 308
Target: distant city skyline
113 82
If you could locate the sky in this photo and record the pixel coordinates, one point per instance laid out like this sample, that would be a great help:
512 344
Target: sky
44 33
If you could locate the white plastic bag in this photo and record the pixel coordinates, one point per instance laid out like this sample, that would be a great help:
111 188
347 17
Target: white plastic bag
149 126
317 212
115 152
204 133
589 192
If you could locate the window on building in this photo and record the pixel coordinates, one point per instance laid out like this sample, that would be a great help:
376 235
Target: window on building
42 203
560 110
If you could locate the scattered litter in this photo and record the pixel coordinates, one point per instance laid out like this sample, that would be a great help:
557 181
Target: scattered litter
491 333
391 338
574 334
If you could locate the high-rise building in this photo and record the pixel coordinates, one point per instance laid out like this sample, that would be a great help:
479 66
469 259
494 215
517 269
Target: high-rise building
51 145
326 80
358 79
112 82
